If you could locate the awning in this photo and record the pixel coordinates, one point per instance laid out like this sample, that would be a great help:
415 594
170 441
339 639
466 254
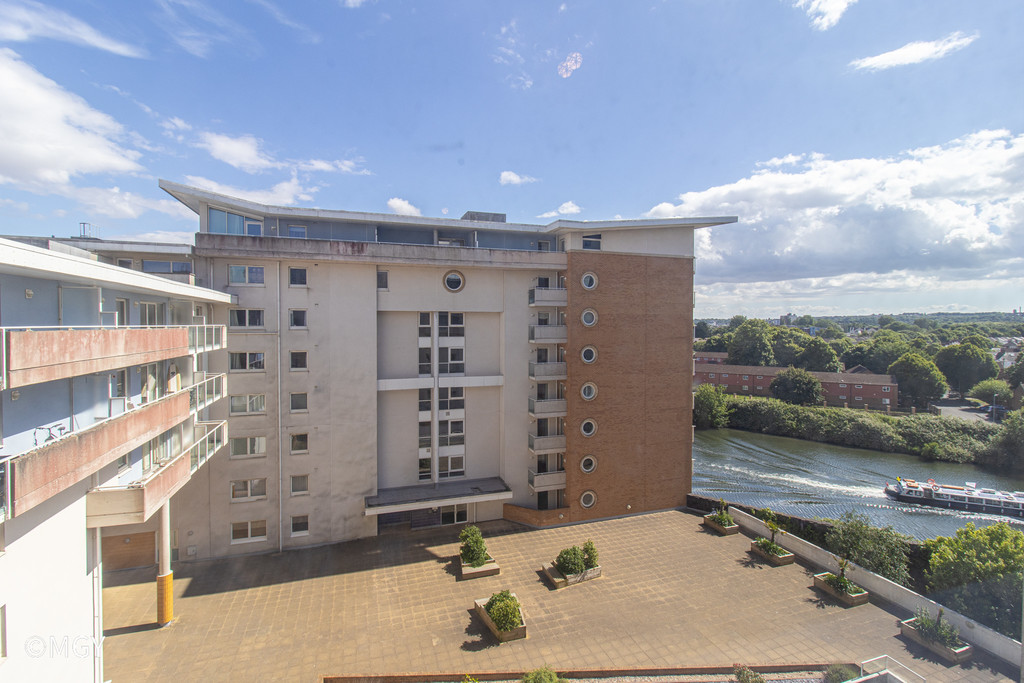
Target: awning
426 496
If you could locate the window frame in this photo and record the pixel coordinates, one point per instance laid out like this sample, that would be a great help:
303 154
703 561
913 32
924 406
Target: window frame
249 528
297 437
293 396
303 491
253 361
302 357
253 318
248 490
252 444
249 398
294 271
248 280
291 318
296 520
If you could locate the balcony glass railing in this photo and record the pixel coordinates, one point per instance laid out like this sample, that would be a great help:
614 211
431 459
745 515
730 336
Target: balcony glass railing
553 479
549 296
205 391
548 370
548 333
547 406
205 338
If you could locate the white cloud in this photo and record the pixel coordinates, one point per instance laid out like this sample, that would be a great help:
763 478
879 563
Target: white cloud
824 14
509 53
567 209
402 207
571 63
353 4
285 193
24 20
197 27
915 53
175 128
242 152
308 35
513 178
954 211
49 136
20 206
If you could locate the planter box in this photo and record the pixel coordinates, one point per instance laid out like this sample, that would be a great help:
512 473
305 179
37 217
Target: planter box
489 568
952 655
559 581
848 599
774 560
723 530
502 636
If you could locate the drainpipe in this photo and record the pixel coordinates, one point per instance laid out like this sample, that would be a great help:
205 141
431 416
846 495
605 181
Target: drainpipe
280 434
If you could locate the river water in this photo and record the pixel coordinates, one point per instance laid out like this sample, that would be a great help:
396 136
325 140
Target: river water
812 479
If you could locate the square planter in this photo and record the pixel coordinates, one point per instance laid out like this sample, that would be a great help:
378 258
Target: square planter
956 655
559 581
489 568
848 599
774 560
723 530
502 636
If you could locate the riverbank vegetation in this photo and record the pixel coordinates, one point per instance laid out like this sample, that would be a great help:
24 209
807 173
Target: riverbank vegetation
1000 447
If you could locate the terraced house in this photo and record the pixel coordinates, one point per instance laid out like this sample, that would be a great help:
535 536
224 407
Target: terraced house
106 388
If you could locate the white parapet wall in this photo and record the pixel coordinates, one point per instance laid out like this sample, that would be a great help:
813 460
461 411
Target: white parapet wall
1006 649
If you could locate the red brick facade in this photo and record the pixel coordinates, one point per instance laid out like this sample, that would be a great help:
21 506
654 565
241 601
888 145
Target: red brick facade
853 390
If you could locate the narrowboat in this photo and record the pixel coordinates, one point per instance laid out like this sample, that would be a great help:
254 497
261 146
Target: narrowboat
967 497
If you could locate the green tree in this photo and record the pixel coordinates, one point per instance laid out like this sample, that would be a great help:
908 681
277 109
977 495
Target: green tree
830 331
1006 450
796 386
964 365
710 407
818 356
1015 374
981 341
886 348
884 320
804 321
926 323
880 550
991 390
736 321
751 344
719 342
787 343
702 330
978 573
920 381
841 345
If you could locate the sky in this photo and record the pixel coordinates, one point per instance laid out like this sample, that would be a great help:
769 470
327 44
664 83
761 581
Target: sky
872 150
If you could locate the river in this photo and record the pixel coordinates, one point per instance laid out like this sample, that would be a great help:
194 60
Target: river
812 479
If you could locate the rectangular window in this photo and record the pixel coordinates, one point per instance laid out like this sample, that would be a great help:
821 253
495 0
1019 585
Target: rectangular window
300 484
424 400
122 463
299 403
243 360
156 266
300 443
843 397
543 245
245 275
253 228
245 317
711 374
298 360
424 324
297 277
760 376
248 446
382 279
885 401
300 525
248 404
125 263
150 314
424 431
226 223
842 386
454 514
858 386
451 361
451 398
724 375
297 317
451 433
297 231
451 324
451 466
248 489
592 242
424 362
746 388
746 376
858 398
424 468
119 384
243 532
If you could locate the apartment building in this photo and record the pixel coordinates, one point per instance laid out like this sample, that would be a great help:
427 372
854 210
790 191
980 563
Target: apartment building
105 393
395 370
846 389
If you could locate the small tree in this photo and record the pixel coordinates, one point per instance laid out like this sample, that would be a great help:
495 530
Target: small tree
920 381
589 555
503 609
992 390
796 386
710 407
473 550
570 561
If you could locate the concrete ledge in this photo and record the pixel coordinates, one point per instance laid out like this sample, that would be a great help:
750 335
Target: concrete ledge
489 568
578 673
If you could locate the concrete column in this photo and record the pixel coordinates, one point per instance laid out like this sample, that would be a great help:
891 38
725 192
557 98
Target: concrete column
165 577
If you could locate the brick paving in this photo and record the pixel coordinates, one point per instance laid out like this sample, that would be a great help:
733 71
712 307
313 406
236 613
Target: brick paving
672 596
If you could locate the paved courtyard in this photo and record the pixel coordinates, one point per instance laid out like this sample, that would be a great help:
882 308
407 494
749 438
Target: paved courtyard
672 596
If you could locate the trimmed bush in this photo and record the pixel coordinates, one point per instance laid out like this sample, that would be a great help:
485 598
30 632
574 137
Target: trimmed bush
542 675
589 555
937 630
745 675
473 550
503 609
838 673
571 561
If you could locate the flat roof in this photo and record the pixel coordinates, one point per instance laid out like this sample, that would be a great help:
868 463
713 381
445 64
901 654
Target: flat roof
418 497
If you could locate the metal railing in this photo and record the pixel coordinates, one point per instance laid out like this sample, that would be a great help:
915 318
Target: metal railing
886 664
206 391
206 338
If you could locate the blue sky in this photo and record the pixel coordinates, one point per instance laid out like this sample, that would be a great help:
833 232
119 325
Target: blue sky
873 150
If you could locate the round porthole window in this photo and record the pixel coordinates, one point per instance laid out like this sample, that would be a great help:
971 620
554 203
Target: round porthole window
588 354
588 464
589 317
589 281
588 499
588 391
454 281
588 427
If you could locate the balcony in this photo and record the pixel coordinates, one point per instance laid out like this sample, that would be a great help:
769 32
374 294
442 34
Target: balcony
546 372
549 334
547 296
547 444
136 502
206 390
545 481
35 355
552 407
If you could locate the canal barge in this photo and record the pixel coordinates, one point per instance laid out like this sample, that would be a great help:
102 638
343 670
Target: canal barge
967 497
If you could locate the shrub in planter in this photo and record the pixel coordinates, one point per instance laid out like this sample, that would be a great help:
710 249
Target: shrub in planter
721 516
571 561
745 675
589 555
769 545
937 630
838 673
473 550
503 609
542 675
839 581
